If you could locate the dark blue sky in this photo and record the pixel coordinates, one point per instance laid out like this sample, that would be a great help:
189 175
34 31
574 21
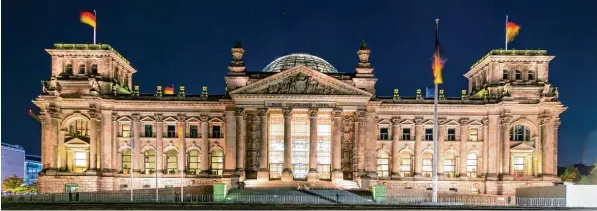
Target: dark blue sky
188 42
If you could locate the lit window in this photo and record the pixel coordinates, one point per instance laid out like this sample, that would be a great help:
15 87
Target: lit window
171 162
520 133
518 75
126 130
79 128
471 165
518 164
149 161
428 134
531 75
405 133
427 164
383 167
472 134
217 162
148 131
276 145
405 165
383 133
194 131
171 131
126 161
450 165
80 161
451 134
324 148
194 162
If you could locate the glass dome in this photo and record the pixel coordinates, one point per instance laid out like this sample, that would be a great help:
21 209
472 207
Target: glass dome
295 59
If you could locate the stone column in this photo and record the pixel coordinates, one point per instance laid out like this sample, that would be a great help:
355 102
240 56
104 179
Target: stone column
505 121
360 128
337 146
395 148
539 161
263 173
204 145
313 175
56 160
46 140
287 172
484 171
136 127
240 142
115 145
441 137
92 141
183 145
418 133
159 142
230 150
552 154
463 142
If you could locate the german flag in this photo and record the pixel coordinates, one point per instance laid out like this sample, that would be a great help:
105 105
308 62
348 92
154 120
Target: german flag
438 64
88 18
169 90
511 30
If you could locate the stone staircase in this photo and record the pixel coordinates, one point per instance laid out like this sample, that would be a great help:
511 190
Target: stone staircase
348 185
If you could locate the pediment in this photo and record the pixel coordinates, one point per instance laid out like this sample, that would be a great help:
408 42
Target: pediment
522 147
170 119
124 119
193 120
452 122
147 119
300 80
216 120
384 122
429 122
475 123
76 141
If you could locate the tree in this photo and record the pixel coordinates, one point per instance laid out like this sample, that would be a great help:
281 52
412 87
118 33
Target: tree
14 184
571 174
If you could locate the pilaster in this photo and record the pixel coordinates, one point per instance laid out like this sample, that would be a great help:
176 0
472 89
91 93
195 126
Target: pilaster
463 140
287 172
113 135
484 170
46 139
313 175
395 148
205 145
337 146
93 143
360 128
240 142
183 145
441 144
56 160
505 123
418 145
263 174
137 163
159 143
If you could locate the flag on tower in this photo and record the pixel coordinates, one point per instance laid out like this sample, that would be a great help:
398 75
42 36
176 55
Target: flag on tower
169 90
438 64
511 30
88 18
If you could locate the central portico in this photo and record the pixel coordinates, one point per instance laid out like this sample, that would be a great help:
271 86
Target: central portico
300 111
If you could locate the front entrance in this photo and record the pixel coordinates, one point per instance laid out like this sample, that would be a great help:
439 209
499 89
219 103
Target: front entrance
300 159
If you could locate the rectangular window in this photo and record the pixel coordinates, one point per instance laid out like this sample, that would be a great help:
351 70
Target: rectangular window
276 145
216 131
428 134
126 130
451 134
383 133
194 131
518 164
171 131
148 131
472 134
427 167
405 167
405 134
80 161
449 167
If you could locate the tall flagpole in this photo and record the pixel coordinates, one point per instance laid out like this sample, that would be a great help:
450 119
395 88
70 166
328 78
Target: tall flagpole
506 28
132 153
157 163
435 128
182 145
95 28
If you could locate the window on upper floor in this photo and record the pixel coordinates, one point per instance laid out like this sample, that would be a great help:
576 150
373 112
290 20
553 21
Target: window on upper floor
116 75
81 69
79 128
148 131
451 134
68 70
428 134
94 69
473 134
171 131
216 131
505 75
383 133
125 130
194 131
518 75
518 166
531 75
406 134
520 133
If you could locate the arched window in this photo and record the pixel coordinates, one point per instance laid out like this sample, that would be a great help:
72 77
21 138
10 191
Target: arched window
405 165
383 164
194 162
505 75
81 69
68 70
427 164
171 162
518 75
94 69
449 165
116 75
217 162
126 161
471 165
520 133
531 75
79 128
149 161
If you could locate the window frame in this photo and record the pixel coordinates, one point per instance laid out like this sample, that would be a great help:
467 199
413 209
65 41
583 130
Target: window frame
451 137
220 170
145 130
190 163
505 75
125 133
170 133
406 134
383 164
428 137
517 75
194 133
383 136
470 134
219 131
126 153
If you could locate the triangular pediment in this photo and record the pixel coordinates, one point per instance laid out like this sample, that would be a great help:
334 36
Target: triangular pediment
300 80
522 147
475 123
452 122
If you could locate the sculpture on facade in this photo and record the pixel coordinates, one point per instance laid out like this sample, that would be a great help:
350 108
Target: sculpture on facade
300 84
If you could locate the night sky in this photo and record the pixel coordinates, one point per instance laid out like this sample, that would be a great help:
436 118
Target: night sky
188 42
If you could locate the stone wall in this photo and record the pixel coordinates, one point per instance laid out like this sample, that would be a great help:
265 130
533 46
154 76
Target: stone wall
507 188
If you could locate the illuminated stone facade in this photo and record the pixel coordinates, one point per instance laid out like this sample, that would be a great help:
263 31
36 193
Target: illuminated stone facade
298 119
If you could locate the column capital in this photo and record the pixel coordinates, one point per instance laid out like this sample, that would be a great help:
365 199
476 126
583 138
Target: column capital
159 117
505 120
544 120
181 117
286 112
556 123
94 114
203 118
396 121
360 113
262 111
337 112
114 116
441 120
239 112
313 112
55 114
485 121
418 120
42 117
136 117
463 121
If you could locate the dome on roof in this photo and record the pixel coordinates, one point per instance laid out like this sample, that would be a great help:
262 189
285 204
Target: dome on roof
295 59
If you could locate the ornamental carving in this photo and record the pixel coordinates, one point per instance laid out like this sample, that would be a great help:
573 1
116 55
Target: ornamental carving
262 112
442 120
42 117
159 117
204 118
543 120
136 117
463 121
347 144
505 119
286 112
55 112
337 112
252 142
396 121
556 123
313 112
239 112
485 121
181 117
93 114
418 120
360 113
114 116
301 84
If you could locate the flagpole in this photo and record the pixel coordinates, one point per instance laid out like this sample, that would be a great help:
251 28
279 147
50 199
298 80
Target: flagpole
182 145
132 156
435 130
157 155
95 28
506 28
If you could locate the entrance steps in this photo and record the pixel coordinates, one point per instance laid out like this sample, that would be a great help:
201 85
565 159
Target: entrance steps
348 185
253 184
